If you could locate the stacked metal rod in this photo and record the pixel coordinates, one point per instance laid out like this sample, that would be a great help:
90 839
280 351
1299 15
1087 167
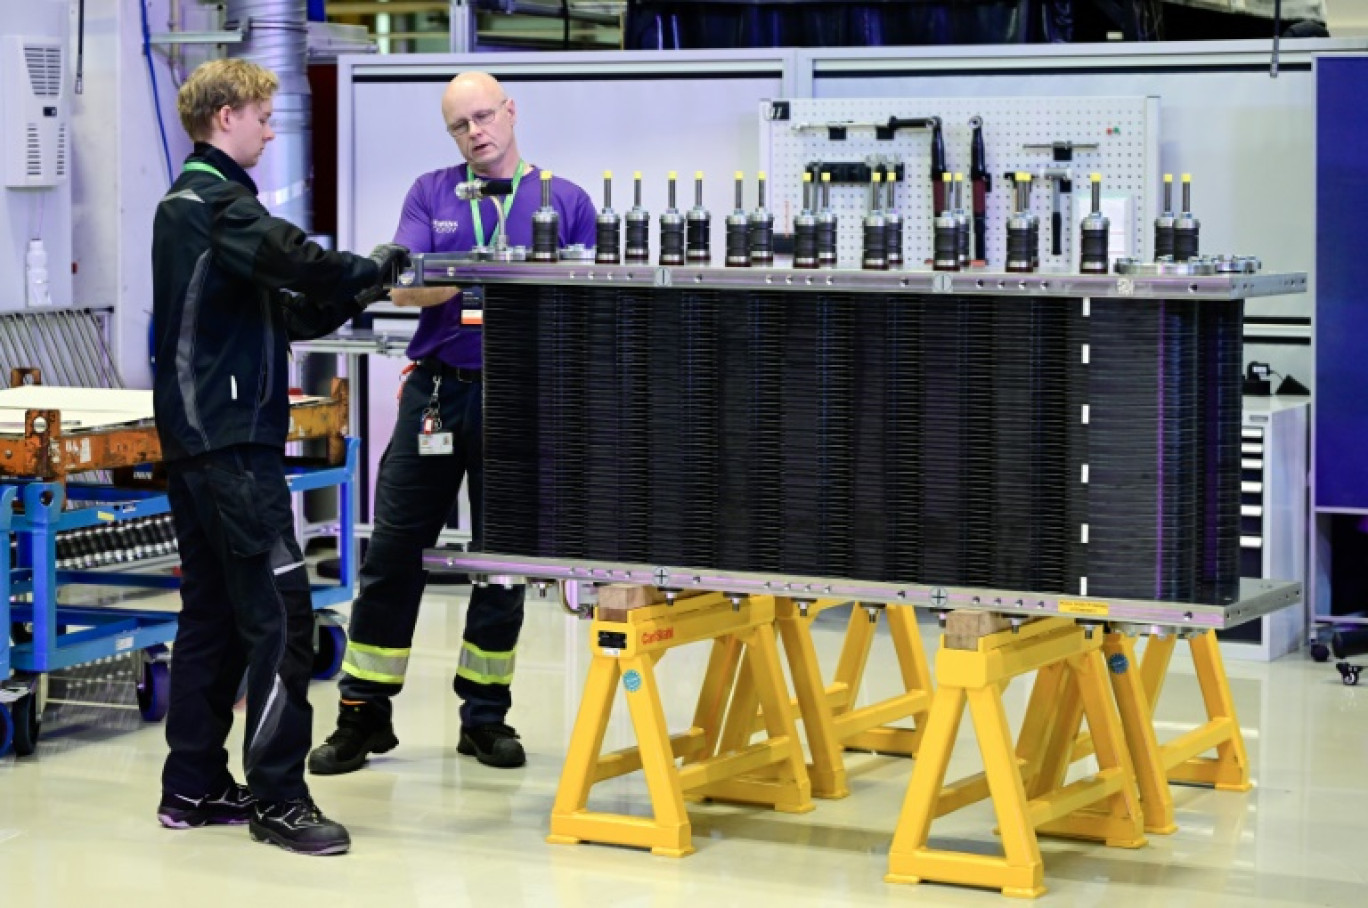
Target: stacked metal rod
116 543
1047 443
68 345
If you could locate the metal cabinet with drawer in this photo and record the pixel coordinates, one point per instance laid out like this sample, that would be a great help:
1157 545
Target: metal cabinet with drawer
1273 508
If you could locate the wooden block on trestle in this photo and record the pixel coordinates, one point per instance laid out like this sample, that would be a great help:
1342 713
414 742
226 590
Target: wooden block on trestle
964 629
615 600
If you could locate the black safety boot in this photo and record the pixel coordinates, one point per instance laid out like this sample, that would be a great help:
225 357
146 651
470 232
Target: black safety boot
298 826
362 728
493 745
230 807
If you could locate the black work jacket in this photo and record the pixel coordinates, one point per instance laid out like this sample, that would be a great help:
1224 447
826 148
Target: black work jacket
231 287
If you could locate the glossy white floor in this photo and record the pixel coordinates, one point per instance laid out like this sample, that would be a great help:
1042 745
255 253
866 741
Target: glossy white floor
433 828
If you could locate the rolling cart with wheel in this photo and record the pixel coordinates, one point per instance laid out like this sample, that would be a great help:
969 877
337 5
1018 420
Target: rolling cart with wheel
52 637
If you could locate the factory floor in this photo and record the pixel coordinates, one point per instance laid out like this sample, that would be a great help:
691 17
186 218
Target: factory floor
433 828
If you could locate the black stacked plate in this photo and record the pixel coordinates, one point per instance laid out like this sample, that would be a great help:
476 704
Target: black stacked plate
945 412
902 343
1031 444
512 506
750 494
602 398
563 445
1221 359
1022 458
701 375
631 454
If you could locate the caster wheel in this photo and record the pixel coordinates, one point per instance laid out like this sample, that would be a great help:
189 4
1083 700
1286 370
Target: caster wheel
6 730
22 632
154 686
332 646
1351 678
27 718
1320 652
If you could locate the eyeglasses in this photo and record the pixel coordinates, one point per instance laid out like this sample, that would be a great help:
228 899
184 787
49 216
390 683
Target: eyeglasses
480 118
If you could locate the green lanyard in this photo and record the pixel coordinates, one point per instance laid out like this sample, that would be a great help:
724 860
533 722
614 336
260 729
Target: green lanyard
507 204
204 168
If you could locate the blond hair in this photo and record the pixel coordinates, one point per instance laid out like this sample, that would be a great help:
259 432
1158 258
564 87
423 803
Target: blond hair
217 84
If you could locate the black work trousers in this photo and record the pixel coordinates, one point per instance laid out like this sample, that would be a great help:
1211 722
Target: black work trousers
245 606
414 494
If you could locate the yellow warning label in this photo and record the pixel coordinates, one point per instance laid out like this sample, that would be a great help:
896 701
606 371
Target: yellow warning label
1084 607
104 515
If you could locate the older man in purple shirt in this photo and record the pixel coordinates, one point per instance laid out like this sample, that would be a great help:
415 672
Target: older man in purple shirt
422 469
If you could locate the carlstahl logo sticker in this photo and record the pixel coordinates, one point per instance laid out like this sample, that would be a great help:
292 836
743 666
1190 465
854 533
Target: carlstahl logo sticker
440 226
665 633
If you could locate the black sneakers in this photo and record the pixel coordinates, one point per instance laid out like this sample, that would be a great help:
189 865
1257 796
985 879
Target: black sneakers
298 826
231 807
492 745
362 728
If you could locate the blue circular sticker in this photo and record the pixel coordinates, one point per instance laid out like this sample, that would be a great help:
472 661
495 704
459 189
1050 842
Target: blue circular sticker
1118 663
632 681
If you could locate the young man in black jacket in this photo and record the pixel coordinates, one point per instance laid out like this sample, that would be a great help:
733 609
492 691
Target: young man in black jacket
232 286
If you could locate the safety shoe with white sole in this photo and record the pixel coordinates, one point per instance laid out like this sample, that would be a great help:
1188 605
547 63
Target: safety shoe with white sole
298 826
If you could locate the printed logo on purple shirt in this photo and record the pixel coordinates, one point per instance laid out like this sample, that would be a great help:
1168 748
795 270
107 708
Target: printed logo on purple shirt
445 226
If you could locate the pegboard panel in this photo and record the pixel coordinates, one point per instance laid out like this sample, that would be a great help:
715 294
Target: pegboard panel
1124 131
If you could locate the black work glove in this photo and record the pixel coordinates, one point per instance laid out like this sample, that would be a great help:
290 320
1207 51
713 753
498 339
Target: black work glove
392 260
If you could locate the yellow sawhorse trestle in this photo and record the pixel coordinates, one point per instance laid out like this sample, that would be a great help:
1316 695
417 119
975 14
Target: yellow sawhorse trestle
1027 783
702 762
1181 759
831 720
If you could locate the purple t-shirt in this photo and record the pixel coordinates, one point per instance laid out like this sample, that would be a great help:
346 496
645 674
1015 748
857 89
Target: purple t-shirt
434 220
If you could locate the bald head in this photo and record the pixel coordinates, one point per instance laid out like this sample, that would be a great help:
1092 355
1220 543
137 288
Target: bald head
480 117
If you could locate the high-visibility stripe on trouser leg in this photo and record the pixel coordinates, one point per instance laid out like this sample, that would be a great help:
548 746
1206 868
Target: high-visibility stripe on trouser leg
485 667
375 663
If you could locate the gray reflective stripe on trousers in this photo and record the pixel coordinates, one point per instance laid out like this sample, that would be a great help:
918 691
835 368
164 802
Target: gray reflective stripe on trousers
484 667
274 708
375 663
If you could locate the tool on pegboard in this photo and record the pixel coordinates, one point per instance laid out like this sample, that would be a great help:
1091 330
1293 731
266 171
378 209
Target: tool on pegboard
1061 182
939 187
983 184
1163 224
1063 149
853 172
1094 233
945 233
884 131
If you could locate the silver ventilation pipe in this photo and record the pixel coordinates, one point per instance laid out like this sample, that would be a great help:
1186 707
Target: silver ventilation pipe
278 39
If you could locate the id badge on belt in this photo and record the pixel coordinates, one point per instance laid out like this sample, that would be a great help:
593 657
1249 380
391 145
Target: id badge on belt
432 441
